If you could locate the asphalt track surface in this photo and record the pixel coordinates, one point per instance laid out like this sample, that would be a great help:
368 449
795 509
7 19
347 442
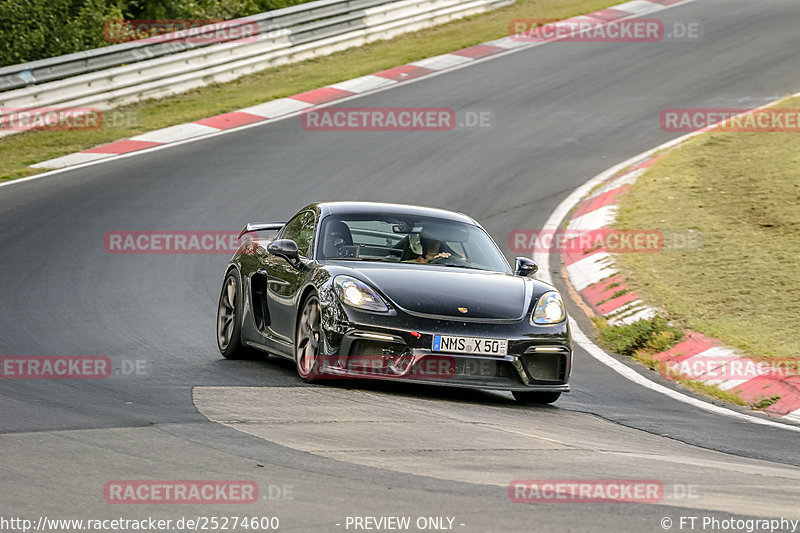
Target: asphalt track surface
562 113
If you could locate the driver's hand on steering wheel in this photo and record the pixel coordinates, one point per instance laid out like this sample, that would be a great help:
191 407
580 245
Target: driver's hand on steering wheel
435 258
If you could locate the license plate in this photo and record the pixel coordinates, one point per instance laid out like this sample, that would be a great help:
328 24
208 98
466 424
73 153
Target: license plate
473 345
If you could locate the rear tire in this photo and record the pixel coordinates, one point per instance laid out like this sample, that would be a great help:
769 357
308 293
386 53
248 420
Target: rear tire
536 397
229 319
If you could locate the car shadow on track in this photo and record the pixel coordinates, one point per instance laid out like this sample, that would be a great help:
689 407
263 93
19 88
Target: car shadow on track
280 372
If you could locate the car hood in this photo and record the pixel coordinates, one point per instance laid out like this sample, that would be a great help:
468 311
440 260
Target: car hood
442 291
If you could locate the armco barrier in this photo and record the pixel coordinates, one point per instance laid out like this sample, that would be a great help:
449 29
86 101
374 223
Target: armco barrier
125 73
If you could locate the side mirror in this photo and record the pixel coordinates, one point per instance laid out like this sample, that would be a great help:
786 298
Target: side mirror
526 267
285 248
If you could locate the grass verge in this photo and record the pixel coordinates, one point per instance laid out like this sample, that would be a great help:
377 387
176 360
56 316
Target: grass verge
19 151
641 338
645 338
742 191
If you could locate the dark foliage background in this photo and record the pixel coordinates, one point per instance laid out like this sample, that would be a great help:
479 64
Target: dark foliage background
37 29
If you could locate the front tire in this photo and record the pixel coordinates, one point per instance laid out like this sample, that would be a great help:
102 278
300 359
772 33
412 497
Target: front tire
308 339
229 319
536 397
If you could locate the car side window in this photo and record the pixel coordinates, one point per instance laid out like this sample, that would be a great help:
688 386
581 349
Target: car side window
301 230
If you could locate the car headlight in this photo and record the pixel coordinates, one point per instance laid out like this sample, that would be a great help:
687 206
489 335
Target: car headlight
549 309
358 294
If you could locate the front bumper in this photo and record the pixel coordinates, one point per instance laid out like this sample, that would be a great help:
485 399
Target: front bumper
398 347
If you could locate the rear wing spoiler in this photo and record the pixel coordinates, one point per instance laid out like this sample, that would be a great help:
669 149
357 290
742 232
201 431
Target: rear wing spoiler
267 226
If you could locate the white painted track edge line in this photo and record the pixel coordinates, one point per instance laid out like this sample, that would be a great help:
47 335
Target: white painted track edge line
543 260
629 373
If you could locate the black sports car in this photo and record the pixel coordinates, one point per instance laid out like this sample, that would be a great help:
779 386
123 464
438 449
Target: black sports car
383 291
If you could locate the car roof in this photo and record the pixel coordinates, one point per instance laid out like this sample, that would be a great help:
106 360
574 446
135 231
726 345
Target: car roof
352 208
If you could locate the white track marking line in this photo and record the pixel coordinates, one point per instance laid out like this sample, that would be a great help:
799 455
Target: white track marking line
444 61
179 132
71 160
542 258
276 108
627 372
363 84
587 271
594 220
115 157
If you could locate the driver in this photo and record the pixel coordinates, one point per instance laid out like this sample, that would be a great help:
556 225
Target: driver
427 250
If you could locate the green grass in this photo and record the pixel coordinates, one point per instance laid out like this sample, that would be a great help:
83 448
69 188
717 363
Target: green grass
766 402
712 391
19 151
645 338
642 337
742 190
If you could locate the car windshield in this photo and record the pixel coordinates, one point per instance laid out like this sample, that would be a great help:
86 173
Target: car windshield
407 239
